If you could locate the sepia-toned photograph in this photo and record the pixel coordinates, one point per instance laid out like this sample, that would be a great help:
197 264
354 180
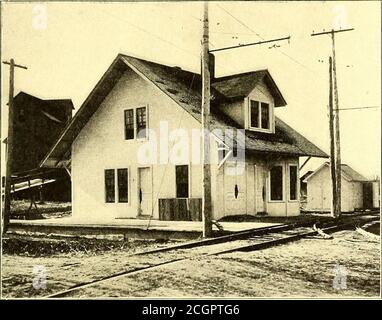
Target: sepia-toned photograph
190 150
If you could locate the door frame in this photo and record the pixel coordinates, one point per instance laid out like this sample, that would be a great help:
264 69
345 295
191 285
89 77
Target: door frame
245 185
139 185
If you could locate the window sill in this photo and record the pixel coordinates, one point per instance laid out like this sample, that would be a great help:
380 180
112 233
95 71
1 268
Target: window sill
260 130
137 139
118 203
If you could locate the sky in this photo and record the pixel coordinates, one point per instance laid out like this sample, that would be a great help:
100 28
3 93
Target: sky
68 46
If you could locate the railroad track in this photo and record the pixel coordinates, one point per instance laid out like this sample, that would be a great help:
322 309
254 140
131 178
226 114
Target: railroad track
251 240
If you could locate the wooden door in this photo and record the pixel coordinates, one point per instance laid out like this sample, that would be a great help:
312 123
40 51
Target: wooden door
261 189
234 191
144 192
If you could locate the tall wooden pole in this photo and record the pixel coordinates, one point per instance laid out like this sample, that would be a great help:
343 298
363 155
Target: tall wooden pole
337 211
332 146
7 190
10 153
336 135
205 62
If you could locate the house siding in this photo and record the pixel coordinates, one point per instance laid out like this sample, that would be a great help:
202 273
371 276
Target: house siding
101 145
250 190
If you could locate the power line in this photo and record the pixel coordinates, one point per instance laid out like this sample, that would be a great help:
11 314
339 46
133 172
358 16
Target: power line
241 22
233 33
160 38
250 29
361 108
151 34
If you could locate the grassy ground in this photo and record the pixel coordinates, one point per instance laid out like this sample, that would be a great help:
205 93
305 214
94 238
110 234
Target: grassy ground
305 268
46 210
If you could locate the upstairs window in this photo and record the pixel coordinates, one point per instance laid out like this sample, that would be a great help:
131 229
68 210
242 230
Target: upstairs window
129 124
259 115
141 122
264 115
255 107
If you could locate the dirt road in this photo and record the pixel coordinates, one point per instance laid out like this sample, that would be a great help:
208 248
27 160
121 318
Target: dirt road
299 269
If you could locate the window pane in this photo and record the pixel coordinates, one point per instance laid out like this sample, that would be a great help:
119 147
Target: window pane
181 173
293 183
122 185
129 124
277 183
265 115
110 185
141 122
254 114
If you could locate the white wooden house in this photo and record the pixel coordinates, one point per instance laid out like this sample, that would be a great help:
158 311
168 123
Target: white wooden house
135 102
357 192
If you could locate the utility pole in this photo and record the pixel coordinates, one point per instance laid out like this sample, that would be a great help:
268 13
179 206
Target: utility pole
337 167
332 146
9 158
205 61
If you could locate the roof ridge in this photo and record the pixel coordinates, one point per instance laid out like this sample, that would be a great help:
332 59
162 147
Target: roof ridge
162 64
239 75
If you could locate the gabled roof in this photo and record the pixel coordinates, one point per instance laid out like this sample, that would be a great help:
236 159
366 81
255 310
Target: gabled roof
352 174
184 88
54 109
347 173
241 85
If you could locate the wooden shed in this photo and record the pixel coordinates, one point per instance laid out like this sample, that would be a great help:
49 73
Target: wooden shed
357 192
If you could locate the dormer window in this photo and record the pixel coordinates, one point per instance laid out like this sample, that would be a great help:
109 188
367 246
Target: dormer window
259 115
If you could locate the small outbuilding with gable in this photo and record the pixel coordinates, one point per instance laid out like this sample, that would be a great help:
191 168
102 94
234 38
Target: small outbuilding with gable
357 192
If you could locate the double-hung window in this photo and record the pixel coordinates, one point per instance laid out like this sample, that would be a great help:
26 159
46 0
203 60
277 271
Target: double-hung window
141 122
135 123
129 124
260 115
276 183
122 176
293 181
111 187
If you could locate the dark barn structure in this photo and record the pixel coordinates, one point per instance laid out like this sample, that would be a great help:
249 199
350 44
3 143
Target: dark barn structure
37 126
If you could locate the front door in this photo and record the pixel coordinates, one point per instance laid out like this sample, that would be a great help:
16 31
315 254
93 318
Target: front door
234 190
261 189
144 192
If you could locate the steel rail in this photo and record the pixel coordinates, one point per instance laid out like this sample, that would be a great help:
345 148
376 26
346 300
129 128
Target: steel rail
251 247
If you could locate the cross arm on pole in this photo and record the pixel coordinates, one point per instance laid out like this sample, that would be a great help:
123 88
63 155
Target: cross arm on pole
331 32
15 65
250 44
